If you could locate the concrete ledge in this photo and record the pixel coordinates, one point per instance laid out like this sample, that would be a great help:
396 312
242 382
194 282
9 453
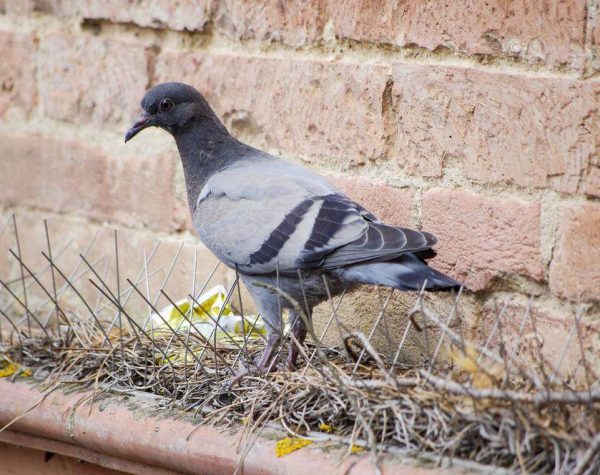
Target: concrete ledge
133 435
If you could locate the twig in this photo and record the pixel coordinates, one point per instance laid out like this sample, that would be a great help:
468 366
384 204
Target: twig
537 398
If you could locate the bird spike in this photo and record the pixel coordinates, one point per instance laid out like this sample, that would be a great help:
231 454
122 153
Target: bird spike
49 248
372 331
74 288
27 312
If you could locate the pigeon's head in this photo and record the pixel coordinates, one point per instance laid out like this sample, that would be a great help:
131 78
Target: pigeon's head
170 106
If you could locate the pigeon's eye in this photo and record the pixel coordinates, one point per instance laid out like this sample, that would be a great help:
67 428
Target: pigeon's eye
165 105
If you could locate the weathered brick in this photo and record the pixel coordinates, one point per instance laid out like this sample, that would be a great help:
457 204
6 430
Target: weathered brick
310 108
541 324
73 176
292 23
481 237
85 78
575 267
356 309
392 205
500 127
17 7
552 32
172 14
534 31
17 72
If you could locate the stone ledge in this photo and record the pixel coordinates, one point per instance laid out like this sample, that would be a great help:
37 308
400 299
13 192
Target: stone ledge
133 434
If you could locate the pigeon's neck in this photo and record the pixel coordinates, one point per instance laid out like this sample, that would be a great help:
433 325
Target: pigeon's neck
206 148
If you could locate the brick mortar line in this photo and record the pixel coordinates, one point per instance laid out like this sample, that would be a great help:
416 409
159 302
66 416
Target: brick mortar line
216 42
384 172
591 12
354 49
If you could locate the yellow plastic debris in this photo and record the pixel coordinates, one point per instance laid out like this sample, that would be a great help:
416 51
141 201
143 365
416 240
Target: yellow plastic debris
290 444
467 362
7 368
204 314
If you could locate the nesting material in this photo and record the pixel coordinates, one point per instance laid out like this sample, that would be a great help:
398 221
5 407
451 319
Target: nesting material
467 412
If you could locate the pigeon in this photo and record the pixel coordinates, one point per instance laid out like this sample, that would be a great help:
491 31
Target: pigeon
294 239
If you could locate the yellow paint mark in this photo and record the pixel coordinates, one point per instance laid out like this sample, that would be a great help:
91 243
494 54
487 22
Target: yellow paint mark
288 445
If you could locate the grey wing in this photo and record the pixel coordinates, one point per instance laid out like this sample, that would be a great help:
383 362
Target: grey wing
290 219
334 244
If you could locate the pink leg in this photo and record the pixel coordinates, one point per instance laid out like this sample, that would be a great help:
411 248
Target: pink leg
268 353
299 332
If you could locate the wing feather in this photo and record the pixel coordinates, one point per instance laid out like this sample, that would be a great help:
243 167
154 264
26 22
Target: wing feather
334 242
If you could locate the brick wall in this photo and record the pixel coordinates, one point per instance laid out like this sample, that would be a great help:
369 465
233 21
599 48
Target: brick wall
477 121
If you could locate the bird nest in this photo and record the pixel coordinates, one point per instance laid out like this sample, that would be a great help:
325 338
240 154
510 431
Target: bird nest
468 401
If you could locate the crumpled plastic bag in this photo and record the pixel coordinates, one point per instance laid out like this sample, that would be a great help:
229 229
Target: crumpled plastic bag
204 314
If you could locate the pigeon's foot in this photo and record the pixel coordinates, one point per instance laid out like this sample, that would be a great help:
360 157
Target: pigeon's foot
264 361
291 363
298 337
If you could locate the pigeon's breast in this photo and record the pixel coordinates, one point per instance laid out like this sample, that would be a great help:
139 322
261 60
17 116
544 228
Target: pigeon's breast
237 231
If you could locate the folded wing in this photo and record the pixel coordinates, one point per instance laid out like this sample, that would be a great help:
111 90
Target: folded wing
290 219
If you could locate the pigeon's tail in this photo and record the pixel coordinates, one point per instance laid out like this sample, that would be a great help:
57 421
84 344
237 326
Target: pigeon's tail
407 272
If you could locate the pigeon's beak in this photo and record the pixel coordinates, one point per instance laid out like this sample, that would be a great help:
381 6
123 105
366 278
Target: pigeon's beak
142 121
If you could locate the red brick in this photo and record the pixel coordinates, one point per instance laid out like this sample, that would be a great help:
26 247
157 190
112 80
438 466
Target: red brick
92 79
541 132
171 14
575 266
310 108
292 23
553 324
392 205
553 32
481 237
73 176
17 73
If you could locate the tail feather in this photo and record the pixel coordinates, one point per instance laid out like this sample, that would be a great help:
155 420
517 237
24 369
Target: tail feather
405 273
